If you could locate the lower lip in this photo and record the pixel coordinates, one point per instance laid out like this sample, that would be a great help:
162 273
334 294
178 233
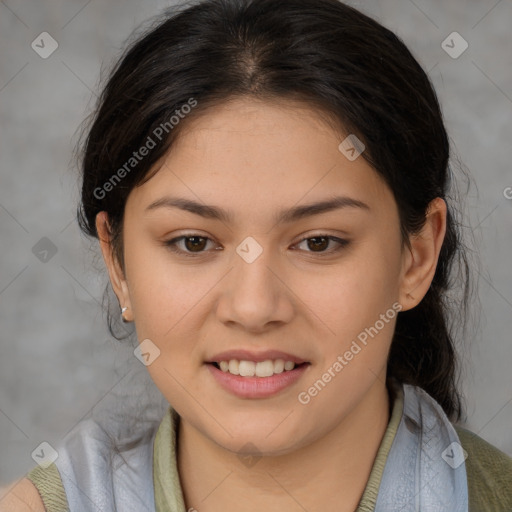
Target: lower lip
257 387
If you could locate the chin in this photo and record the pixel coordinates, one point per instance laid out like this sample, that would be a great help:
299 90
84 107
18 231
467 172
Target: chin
258 436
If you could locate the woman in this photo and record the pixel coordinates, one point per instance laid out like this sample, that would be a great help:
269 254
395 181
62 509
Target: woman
269 184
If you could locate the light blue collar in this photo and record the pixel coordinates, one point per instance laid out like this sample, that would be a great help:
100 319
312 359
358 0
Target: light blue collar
425 469
424 472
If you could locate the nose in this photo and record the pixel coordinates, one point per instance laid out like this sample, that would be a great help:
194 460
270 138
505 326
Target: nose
255 293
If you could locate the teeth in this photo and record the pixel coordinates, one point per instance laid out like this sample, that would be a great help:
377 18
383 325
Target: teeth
279 366
260 369
289 365
233 367
247 368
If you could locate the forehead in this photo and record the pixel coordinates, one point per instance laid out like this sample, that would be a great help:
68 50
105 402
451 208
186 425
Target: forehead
254 155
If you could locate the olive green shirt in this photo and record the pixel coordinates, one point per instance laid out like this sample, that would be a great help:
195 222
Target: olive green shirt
489 471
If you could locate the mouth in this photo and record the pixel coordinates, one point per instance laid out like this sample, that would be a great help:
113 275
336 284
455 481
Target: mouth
256 379
258 369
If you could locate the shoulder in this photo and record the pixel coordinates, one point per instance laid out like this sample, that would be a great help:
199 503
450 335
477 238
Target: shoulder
489 473
41 490
21 496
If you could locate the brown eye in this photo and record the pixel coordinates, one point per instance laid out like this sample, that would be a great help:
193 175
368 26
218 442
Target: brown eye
320 243
195 243
188 245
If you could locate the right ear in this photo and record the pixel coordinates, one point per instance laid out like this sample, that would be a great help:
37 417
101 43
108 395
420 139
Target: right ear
115 272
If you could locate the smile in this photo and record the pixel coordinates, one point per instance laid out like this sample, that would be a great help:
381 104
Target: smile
252 368
256 379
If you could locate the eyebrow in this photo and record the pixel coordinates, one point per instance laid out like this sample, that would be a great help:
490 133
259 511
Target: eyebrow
284 216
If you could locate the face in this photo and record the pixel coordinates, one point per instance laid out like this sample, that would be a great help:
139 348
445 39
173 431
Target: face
251 284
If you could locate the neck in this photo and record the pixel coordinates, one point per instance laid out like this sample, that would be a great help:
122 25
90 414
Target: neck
329 474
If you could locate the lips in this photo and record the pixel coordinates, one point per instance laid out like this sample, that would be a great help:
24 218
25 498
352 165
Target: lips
256 374
247 355
256 387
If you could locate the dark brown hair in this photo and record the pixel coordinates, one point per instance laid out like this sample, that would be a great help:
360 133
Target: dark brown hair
324 53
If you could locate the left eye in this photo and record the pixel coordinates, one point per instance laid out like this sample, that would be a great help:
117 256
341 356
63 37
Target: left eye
320 242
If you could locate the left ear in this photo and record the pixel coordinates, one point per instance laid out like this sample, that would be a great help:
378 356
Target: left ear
420 260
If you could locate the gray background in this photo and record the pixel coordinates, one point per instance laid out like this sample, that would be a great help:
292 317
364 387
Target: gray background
58 362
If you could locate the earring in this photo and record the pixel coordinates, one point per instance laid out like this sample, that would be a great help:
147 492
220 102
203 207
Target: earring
122 317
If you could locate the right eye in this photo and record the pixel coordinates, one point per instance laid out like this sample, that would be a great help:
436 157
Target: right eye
191 244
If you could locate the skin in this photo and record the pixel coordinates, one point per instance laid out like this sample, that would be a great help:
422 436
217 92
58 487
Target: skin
256 158
21 496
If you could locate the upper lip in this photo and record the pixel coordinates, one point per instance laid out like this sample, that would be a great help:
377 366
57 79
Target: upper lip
248 355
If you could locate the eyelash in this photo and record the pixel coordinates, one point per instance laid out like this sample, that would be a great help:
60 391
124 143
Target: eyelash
172 244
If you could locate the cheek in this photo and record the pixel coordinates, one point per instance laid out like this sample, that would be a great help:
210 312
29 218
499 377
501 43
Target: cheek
356 311
169 303
162 292
353 307
355 293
